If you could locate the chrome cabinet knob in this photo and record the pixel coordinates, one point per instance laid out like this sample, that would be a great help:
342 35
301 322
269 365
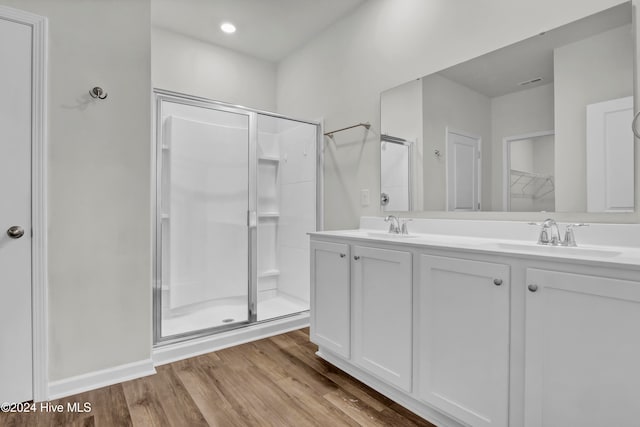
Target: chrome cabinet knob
497 282
356 257
533 287
343 255
15 232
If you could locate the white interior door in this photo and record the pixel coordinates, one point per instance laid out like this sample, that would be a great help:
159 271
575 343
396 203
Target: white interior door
15 212
610 156
463 171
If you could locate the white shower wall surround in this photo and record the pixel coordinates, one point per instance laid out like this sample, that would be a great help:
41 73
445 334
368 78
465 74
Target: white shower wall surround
286 195
236 197
203 175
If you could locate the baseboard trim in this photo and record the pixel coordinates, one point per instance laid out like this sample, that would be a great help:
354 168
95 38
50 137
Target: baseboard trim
99 379
168 353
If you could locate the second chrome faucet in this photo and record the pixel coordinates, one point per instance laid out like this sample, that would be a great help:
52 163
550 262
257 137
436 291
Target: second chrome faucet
550 233
397 225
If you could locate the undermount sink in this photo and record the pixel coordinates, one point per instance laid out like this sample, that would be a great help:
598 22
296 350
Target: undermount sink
559 250
387 235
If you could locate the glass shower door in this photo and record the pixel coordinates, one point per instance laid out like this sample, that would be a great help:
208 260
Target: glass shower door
204 197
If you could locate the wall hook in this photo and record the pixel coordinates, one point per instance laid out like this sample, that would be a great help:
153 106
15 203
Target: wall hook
98 92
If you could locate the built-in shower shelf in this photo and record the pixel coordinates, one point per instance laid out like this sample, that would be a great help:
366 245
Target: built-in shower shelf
274 159
269 214
269 273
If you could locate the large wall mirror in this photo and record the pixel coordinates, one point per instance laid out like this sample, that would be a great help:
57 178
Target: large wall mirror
541 125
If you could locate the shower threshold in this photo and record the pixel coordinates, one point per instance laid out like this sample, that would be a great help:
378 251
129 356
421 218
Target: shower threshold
172 351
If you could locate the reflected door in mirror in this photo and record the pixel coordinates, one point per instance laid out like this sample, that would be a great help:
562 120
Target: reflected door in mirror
463 171
610 156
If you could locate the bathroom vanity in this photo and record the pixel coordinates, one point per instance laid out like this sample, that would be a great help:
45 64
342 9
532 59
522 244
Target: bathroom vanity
473 323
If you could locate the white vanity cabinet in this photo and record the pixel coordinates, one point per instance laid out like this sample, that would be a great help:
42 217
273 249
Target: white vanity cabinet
463 338
468 334
382 315
331 297
582 350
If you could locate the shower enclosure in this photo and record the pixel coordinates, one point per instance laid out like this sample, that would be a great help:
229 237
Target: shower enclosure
237 191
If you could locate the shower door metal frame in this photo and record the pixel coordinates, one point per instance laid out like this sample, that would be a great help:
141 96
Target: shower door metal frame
159 96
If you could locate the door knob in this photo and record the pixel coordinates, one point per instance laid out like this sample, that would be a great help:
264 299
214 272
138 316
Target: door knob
532 287
15 232
497 282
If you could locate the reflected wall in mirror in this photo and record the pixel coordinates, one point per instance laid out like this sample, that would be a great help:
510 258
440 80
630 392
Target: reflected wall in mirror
523 109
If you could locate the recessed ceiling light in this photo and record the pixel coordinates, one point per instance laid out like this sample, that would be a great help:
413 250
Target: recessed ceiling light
228 27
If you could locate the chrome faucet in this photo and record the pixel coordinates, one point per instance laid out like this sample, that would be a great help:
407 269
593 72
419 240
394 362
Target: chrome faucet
394 224
554 239
550 233
404 228
569 236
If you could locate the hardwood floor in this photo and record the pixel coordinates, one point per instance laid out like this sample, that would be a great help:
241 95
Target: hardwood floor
277 381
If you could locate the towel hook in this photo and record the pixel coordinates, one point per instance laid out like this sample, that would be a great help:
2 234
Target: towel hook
98 92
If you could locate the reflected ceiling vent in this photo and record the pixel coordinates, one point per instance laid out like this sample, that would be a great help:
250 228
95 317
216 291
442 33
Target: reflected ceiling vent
528 82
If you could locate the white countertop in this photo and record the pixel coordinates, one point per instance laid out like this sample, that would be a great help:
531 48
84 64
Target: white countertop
591 254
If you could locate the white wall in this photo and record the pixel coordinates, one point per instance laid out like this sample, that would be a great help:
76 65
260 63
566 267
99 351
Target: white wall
340 74
518 113
99 183
205 199
187 65
287 187
522 155
402 110
447 104
578 69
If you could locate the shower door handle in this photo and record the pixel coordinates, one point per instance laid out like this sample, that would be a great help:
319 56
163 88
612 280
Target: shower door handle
252 219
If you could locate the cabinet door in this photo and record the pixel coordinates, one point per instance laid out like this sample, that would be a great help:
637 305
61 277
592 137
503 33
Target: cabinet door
382 314
582 350
330 297
463 338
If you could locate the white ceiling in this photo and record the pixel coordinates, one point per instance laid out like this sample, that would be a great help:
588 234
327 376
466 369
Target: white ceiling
266 29
499 72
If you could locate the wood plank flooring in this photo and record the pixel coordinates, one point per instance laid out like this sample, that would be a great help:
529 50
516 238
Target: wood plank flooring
277 381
